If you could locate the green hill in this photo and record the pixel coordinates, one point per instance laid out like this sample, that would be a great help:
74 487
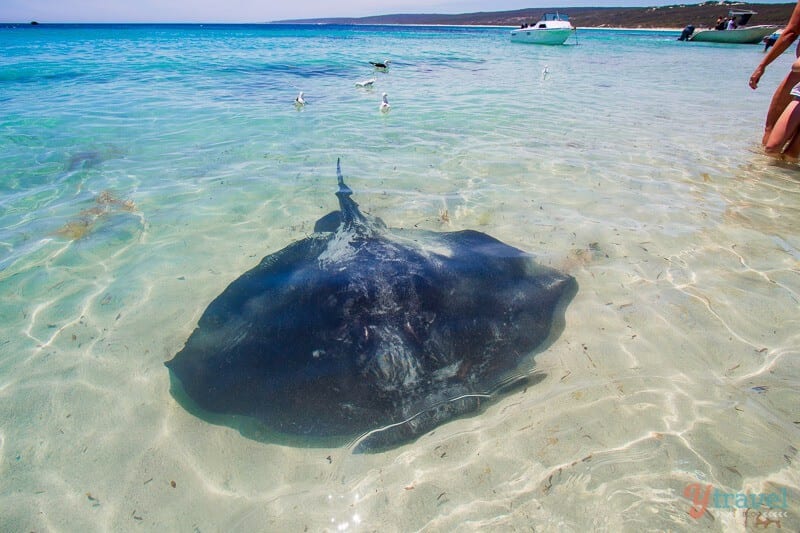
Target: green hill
675 16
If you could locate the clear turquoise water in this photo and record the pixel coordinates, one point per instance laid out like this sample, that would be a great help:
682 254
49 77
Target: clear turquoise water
146 167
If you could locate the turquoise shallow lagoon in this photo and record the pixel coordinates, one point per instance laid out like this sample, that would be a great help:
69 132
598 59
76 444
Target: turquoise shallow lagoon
143 168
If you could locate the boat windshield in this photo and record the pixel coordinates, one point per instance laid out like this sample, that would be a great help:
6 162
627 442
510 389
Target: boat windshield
555 16
742 17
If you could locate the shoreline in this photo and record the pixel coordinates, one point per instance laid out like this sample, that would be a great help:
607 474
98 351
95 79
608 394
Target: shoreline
373 24
501 26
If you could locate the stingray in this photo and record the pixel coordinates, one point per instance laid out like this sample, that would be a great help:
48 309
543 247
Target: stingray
371 333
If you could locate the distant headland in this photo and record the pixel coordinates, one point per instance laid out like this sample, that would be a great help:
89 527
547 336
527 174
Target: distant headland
674 16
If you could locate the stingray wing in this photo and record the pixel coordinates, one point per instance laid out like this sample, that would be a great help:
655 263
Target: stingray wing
254 341
283 342
499 304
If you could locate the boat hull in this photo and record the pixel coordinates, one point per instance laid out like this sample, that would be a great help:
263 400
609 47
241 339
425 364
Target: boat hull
748 35
541 36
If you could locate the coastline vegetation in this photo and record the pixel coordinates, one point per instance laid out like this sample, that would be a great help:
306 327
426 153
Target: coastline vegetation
672 16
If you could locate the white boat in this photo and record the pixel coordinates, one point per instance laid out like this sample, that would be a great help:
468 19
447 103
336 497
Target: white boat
554 28
743 34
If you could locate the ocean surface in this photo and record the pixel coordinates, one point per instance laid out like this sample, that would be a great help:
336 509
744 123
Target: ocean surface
143 168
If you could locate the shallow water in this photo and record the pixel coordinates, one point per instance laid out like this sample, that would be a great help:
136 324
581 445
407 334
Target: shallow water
146 167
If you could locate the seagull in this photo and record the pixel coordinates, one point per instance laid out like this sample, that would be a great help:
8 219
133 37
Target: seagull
385 107
380 66
366 84
300 101
545 72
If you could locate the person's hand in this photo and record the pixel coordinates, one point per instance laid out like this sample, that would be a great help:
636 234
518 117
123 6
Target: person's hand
756 77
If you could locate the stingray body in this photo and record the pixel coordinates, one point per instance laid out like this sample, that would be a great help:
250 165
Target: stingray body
359 329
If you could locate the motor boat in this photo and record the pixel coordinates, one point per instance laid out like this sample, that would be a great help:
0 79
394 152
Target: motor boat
553 28
742 34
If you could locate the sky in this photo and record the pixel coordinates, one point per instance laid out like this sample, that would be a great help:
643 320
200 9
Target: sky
263 10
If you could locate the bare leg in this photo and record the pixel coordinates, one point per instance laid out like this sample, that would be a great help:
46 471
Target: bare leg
784 129
780 100
792 150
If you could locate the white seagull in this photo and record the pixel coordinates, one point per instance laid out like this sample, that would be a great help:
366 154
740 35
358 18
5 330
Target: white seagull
300 101
385 107
366 84
381 66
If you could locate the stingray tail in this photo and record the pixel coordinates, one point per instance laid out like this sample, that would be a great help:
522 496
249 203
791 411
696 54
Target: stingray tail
387 437
343 189
351 216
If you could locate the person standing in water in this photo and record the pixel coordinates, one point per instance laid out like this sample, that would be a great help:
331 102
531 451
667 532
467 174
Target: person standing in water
782 97
783 140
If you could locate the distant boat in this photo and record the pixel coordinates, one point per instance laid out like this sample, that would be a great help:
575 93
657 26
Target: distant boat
554 28
743 34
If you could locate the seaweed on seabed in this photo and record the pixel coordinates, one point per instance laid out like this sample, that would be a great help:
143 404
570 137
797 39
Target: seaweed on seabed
88 219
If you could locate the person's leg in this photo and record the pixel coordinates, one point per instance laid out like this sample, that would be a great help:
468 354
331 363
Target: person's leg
791 151
780 100
784 129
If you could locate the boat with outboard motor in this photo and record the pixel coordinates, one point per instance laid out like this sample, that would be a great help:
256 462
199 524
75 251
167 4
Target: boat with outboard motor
553 28
741 34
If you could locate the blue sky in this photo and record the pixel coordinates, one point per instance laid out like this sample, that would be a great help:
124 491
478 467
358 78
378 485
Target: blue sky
260 10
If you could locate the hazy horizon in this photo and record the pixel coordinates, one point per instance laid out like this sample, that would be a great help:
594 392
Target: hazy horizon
233 11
